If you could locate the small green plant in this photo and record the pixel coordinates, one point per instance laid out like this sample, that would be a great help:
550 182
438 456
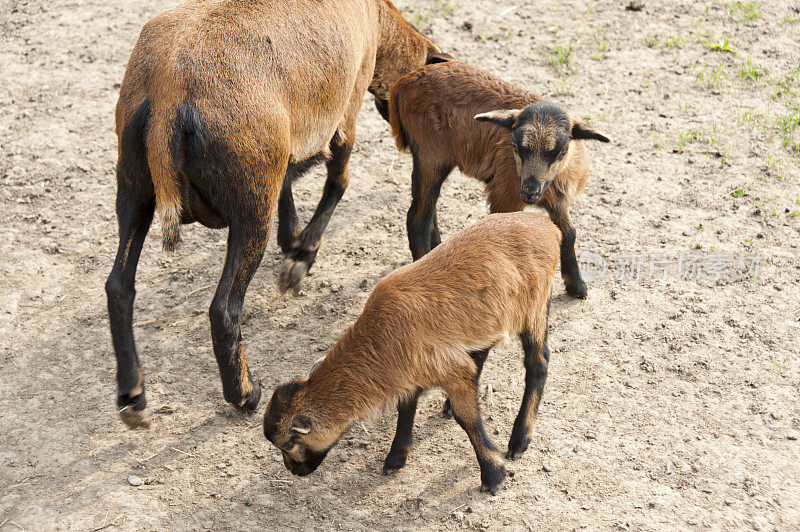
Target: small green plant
688 137
673 42
751 72
447 8
651 42
790 20
748 118
790 85
713 79
562 55
738 193
787 129
602 47
794 214
722 45
749 10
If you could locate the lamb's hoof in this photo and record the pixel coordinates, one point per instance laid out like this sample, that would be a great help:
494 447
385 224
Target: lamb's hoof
577 289
447 410
394 462
491 480
515 449
132 411
291 274
250 402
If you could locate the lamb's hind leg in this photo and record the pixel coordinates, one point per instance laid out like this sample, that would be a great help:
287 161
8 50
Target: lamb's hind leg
253 196
480 359
421 222
463 393
135 206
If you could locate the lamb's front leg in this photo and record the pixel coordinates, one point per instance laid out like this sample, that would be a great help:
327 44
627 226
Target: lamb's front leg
570 271
403 438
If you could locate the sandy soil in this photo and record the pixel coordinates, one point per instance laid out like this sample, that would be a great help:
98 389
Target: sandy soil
670 403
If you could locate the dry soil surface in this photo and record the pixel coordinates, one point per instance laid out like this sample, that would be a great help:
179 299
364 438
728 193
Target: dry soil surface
671 402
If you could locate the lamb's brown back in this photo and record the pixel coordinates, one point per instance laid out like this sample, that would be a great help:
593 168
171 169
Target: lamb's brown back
438 103
480 285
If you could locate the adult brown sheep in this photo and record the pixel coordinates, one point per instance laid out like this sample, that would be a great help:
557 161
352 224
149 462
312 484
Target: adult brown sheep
223 103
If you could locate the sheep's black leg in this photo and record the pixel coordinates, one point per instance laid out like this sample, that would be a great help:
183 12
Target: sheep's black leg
537 356
421 223
436 238
288 224
480 358
303 252
245 249
463 393
401 445
570 271
134 215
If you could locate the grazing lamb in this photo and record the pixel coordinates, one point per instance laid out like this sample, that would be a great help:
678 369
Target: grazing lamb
222 106
534 157
431 324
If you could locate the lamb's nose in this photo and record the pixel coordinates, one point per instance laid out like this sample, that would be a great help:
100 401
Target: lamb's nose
531 191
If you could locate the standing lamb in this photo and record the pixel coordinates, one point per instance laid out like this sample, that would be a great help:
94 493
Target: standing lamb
527 151
222 106
431 324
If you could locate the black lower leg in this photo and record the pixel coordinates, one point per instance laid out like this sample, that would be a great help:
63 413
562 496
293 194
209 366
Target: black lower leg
570 271
421 222
401 445
467 415
134 218
419 226
287 217
537 356
301 257
436 238
245 251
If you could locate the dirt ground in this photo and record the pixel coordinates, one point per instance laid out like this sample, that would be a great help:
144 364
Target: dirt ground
671 403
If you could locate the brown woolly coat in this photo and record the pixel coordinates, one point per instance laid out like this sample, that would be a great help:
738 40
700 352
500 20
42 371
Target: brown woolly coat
484 284
272 79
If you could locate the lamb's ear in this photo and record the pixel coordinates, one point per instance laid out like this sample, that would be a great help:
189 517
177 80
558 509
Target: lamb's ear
583 131
504 117
315 365
438 57
301 424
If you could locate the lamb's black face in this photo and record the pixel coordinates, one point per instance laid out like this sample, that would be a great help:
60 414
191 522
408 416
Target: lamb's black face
540 140
302 448
306 467
541 135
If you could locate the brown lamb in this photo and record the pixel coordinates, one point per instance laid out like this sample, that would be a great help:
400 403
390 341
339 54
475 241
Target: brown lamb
526 151
431 324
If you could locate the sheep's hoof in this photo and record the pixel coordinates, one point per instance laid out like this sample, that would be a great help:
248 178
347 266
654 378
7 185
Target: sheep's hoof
291 275
131 411
516 448
492 479
250 403
447 410
577 289
394 462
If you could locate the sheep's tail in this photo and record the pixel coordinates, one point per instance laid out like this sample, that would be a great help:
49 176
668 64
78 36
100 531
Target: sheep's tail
400 137
181 137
